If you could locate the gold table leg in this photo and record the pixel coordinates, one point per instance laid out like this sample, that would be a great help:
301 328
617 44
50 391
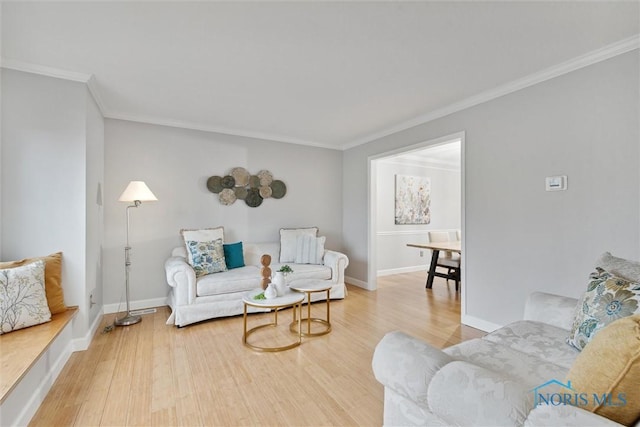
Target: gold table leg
326 322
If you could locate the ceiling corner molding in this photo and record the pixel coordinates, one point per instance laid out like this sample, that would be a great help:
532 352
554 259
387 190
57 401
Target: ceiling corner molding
214 129
590 58
93 89
27 67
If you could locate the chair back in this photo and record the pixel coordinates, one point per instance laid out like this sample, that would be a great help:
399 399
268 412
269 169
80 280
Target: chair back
440 236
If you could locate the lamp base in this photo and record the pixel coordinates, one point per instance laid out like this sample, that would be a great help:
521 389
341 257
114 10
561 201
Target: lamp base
128 320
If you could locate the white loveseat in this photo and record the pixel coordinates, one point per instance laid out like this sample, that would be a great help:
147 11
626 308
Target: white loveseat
220 294
491 381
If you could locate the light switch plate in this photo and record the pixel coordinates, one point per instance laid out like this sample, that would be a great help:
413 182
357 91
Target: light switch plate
556 183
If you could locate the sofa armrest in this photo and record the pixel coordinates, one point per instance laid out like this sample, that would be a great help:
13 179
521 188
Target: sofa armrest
407 365
565 415
182 277
552 309
338 262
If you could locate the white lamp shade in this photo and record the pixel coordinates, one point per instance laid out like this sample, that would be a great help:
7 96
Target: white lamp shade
137 190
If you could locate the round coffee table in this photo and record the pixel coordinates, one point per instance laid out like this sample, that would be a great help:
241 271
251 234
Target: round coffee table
308 287
290 299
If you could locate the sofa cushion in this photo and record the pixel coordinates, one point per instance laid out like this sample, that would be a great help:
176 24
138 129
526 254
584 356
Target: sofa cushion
236 280
288 241
621 267
305 271
206 257
309 249
538 339
527 369
610 364
52 279
608 298
23 298
233 255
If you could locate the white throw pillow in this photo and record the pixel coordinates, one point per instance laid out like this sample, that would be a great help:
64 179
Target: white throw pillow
309 249
289 239
23 300
202 235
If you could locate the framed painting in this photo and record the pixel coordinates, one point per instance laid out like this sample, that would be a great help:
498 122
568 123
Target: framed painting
413 199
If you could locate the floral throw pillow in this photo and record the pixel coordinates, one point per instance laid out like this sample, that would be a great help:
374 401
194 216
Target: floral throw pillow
608 298
206 257
23 301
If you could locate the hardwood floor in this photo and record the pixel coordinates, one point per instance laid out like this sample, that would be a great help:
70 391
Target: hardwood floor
154 374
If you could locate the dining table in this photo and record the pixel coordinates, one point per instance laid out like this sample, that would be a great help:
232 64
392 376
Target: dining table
436 248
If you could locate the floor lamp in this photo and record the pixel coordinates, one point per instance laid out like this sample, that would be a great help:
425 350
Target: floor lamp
136 192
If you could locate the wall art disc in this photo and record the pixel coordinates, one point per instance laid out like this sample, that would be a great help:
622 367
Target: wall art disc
228 181
265 192
254 181
227 196
278 189
241 192
214 184
253 198
241 175
266 177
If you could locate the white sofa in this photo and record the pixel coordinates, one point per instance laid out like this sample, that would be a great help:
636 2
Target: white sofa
220 294
490 381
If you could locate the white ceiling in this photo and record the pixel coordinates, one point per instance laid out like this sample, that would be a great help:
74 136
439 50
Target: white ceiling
330 74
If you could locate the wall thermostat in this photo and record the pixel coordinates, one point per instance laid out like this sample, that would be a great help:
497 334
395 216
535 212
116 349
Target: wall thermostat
555 183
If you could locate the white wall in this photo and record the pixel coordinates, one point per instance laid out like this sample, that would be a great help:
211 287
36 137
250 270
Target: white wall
393 255
175 164
51 136
520 238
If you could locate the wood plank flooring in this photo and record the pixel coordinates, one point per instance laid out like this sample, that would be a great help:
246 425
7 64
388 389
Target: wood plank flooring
154 374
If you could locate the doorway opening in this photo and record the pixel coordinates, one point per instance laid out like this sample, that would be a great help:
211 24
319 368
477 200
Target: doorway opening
439 163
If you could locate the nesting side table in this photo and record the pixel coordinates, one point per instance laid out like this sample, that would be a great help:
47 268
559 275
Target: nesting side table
290 299
308 287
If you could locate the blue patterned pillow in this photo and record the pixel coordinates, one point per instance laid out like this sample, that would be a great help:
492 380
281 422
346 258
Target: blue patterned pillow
206 257
608 298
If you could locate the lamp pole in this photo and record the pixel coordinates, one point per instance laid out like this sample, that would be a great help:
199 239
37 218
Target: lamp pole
129 319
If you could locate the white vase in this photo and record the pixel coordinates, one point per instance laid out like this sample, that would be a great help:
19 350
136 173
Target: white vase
271 291
280 282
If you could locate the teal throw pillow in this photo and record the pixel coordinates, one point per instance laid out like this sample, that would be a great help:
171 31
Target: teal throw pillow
207 257
608 298
233 255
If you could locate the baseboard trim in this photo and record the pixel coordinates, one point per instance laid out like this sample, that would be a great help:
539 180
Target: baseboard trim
478 323
135 305
392 271
81 344
356 282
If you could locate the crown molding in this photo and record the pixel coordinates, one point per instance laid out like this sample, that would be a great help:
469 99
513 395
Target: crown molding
27 67
607 52
216 129
43 70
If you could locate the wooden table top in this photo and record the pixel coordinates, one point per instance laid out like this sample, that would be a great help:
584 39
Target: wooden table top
453 246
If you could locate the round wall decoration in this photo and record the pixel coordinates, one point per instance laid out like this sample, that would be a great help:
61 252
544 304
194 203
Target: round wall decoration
227 196
253 198
241 192
240 184
254 181
265 192
214 184
266 177
241 175
228 181
278 189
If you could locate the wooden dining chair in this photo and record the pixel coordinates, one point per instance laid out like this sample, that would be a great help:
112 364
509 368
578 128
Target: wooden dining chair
448 259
